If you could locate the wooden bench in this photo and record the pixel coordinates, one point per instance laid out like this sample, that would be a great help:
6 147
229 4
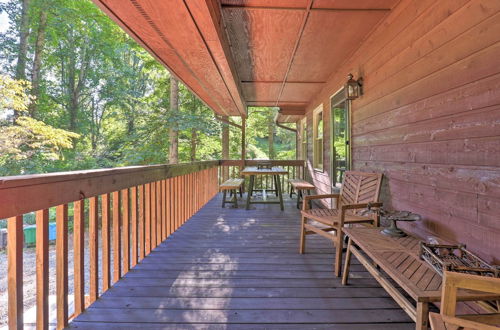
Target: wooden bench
298 185
232 185
399 258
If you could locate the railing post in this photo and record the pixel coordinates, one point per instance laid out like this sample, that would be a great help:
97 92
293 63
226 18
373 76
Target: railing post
15 271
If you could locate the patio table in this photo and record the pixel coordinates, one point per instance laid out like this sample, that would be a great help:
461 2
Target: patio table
275 172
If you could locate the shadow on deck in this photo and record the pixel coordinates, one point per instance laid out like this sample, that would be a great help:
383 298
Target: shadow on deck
236 269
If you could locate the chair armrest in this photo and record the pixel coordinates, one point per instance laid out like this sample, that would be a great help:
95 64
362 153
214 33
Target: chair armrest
361 206
306 199
309 197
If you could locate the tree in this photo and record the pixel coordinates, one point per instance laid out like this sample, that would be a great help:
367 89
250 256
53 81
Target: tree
173 154
37 60
27 137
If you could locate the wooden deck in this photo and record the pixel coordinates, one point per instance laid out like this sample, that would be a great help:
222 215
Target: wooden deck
237 269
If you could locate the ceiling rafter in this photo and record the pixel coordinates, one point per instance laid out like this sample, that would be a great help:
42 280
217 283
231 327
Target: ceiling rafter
295 47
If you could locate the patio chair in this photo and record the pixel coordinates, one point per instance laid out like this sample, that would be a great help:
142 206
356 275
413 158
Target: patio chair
447 319
359 190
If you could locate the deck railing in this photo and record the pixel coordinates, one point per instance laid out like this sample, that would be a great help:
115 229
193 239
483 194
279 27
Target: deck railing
129 211
122 214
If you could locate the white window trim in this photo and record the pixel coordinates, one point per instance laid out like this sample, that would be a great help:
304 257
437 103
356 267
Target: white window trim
314 138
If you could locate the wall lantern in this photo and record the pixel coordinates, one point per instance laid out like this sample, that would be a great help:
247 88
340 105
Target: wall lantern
353 88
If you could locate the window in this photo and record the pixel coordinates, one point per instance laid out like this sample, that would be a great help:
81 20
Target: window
341 154
318 138
340 158
303 138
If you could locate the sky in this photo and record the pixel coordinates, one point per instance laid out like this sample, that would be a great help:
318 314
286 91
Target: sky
4 20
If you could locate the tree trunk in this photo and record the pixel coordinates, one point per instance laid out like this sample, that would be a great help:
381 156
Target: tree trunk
270 139
173 153
37 62
194 141
23 44
72 95
225 148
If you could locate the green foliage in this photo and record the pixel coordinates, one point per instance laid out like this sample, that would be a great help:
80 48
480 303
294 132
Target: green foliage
26 138
103 101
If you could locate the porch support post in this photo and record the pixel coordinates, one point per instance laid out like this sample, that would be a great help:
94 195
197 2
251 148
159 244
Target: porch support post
243 139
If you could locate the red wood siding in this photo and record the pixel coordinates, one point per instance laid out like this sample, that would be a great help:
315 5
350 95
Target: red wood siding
430 117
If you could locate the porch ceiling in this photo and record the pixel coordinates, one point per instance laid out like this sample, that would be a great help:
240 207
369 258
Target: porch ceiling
234 53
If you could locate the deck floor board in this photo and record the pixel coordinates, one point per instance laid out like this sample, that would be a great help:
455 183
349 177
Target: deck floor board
236 269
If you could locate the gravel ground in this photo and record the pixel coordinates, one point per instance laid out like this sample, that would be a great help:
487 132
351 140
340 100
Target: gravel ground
29 275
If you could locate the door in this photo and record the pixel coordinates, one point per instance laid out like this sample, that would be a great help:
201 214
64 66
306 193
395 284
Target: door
340 138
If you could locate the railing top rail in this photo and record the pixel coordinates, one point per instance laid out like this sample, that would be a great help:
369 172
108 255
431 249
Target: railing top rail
28 193
170 169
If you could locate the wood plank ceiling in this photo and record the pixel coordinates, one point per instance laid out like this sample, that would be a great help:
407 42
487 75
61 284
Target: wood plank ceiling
239 53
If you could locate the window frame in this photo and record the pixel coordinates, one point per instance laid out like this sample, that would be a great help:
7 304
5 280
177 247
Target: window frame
303 138
317 165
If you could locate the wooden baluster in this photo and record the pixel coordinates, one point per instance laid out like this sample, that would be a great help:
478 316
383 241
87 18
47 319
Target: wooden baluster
183 200
180 206
105 234
78 255
191 199
15 271
126 230
164 208
42 269
142 222
147 220
199 187
173 204
170 206
62 265
94 248
178 214
153 215
198 203
116 236
159 212
133 220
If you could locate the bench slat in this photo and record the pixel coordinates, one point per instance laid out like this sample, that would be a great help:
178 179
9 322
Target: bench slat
300 184
232 184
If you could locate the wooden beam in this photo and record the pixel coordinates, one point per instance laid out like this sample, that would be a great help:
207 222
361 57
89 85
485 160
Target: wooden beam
227 121
207 17
295 47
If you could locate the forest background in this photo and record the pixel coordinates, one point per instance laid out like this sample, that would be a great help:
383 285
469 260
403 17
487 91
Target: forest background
77 93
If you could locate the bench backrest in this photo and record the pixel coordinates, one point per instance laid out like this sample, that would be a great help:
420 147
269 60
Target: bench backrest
360 187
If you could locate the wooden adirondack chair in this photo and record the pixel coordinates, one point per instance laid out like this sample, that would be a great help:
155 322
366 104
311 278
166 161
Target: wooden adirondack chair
359 190
447 319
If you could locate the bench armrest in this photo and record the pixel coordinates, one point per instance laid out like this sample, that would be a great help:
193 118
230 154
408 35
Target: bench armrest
305 203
